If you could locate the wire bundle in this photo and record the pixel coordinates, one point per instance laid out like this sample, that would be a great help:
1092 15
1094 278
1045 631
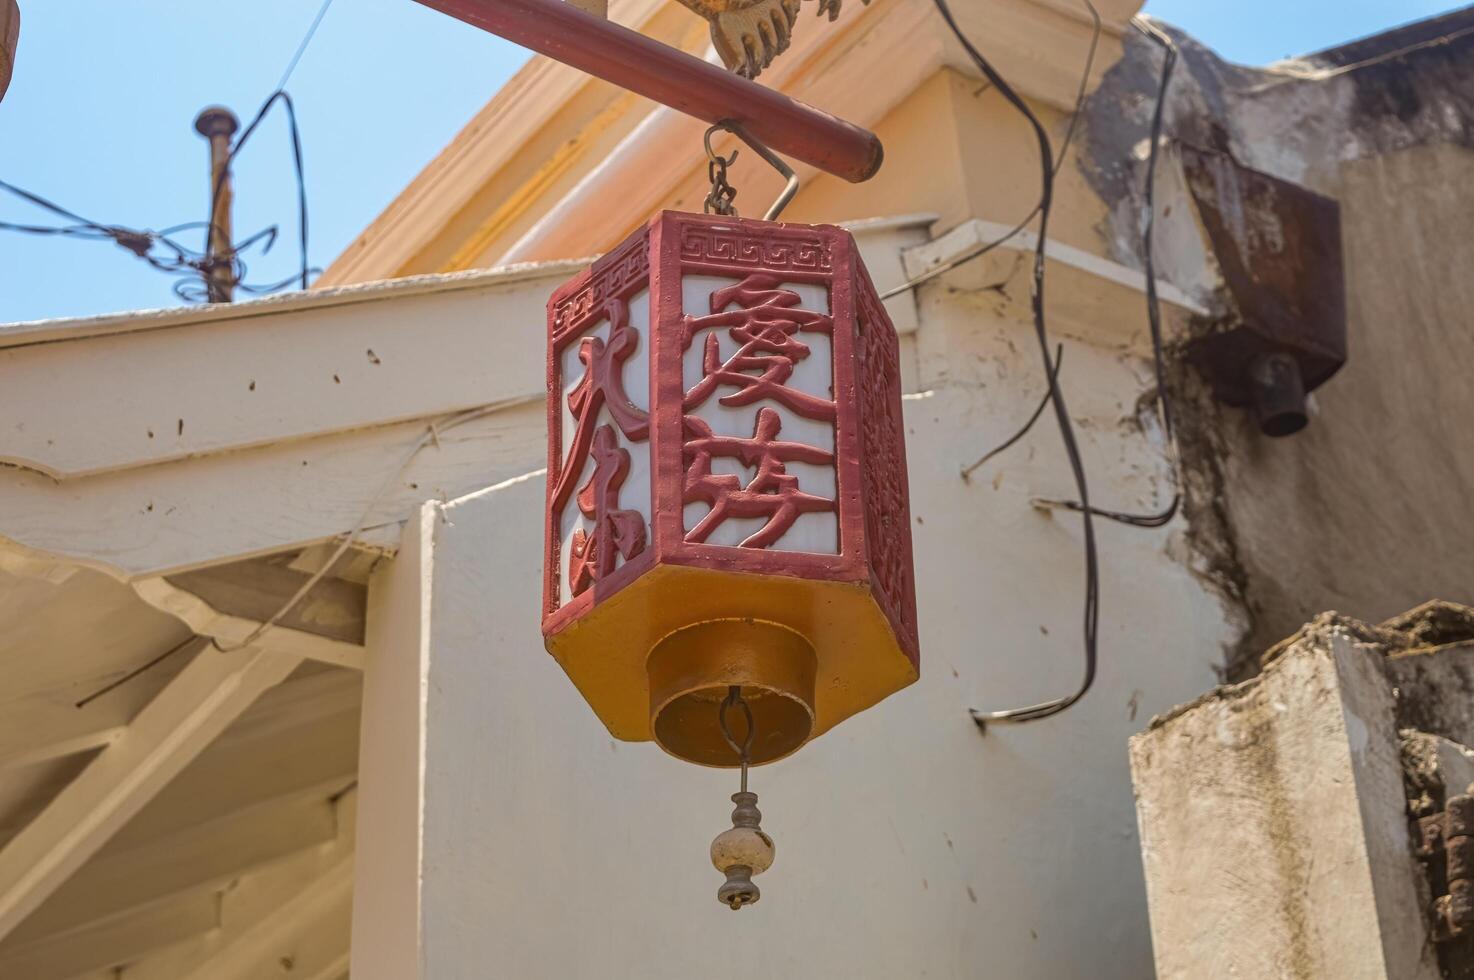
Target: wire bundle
166 254
1054 395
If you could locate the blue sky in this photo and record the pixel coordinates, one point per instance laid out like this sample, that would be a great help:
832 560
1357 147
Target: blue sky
99 117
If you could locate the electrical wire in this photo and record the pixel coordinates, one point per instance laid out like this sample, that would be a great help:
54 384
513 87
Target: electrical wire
432 434
160 250
278 96
1153 302
1064 151
302 47
967 471
1319 74
1154 317
1091 611
114 685
142 243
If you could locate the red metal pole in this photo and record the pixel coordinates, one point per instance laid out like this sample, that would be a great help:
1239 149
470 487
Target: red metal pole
670 76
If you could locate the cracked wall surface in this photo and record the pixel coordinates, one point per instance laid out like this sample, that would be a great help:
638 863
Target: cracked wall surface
1366 510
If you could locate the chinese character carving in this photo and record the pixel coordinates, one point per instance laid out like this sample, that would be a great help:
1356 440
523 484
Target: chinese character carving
765 326
592 554
773 493
766 321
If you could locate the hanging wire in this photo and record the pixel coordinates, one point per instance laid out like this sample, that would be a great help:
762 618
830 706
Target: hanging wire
279 96
1005 445
156 248
302 47
1290 73
1153 302
1154 317
1064 151
1082 506
430 436
114 685
1047 168
160 250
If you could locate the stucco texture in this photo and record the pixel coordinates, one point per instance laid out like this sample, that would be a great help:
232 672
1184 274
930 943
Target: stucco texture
1367 510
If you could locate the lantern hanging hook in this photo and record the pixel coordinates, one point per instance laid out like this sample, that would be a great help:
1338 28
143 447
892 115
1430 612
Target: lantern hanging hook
743 750
717 168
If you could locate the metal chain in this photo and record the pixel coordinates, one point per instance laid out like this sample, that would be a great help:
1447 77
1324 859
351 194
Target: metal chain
719 199
744 751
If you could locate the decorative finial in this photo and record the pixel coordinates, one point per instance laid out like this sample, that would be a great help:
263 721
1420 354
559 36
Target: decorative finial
744 850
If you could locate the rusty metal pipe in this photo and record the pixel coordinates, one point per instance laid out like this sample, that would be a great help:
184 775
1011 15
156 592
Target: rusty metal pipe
218 124
676 79
1278 392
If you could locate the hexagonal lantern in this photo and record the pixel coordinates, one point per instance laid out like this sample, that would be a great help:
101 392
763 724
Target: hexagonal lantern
727 500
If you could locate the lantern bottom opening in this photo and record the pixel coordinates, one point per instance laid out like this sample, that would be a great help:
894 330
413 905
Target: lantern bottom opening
692 671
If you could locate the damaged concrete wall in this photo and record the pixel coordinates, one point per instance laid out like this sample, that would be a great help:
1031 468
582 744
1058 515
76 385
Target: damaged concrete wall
1274 813
1366 510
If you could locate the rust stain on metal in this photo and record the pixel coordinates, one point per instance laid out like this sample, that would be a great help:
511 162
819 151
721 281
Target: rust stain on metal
1278 246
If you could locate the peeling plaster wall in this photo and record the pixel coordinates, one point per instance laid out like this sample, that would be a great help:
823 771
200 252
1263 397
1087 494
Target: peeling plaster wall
1366 511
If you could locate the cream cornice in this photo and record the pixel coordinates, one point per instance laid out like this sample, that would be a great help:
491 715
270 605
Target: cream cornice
1037 44
492 139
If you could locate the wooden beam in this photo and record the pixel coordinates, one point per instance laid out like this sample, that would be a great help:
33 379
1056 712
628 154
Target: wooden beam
388 922
257 589
290 919
155 520
204 857
171 731
297 741
315 757
184 384
654 162
309 931
240 478
630 60
230 631
103 944
1085 283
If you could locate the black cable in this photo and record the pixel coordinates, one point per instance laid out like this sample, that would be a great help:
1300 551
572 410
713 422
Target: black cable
1091 615
157 248
1005 445
1154 317
114 685
280 95
1064 151
179 258
1153 303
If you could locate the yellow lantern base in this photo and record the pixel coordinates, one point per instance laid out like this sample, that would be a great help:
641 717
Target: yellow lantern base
655 659
692 670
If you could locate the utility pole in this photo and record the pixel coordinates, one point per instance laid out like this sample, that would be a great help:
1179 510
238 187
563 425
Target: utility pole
218 124
9 36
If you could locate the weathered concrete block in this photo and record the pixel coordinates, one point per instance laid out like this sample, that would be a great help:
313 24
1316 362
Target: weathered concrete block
1274 823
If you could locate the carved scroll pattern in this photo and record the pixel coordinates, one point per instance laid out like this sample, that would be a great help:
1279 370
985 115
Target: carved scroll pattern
884 471
767 324
707 244
612 278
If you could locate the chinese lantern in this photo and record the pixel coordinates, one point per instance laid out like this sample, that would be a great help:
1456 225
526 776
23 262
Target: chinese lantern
727 516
